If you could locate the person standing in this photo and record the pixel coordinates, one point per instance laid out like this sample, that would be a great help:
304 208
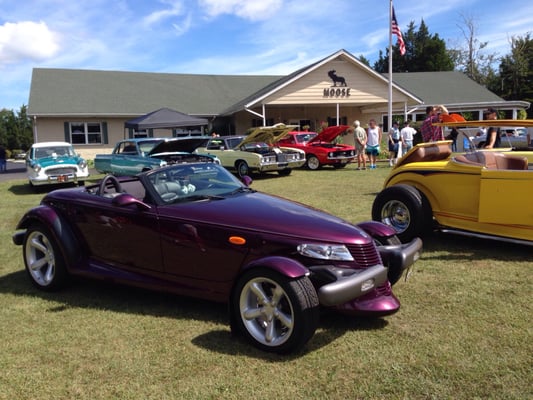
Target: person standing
407 136
431 133
493 140
3 161
373 142
394 143
360 145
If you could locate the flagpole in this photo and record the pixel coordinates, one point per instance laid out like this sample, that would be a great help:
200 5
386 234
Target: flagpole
389 127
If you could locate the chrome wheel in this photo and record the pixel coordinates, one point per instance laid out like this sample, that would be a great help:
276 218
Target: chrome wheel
396 214
313 163
266 311
44 263
273 312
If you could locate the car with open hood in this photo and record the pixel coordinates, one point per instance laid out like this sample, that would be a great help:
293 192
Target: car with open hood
321 148
131 156
257 152
49 163
196 230
482 193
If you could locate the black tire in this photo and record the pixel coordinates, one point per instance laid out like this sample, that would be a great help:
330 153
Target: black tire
275 313
285 172
43 259
403 208
393 275
312 162
242 168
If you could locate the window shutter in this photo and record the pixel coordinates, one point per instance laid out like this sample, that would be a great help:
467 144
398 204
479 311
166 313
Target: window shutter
130 133
104 133
66 128
150 133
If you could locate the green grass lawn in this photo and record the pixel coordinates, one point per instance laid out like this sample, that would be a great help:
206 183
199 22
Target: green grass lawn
464 330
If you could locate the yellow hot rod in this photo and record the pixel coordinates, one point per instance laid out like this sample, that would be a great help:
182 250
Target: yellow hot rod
483 193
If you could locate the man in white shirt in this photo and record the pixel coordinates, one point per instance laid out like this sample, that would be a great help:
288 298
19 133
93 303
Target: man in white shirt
407 135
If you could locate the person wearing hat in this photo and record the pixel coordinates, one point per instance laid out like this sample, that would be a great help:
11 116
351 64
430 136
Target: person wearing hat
493 140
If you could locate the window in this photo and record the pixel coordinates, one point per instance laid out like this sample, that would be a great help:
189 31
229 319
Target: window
85 133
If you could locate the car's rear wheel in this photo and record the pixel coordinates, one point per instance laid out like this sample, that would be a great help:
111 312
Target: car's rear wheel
43 259
242 168
312 162
273 312
403 208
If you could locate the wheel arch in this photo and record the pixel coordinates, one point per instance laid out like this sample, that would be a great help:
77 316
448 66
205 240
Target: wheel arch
62 233
427 195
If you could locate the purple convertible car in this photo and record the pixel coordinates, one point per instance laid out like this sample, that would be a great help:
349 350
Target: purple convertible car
196 230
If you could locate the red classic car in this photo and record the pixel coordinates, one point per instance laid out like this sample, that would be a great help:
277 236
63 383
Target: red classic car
194 229
320 148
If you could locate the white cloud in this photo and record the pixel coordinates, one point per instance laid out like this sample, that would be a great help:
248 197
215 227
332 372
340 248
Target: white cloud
27 40
172 9
253 10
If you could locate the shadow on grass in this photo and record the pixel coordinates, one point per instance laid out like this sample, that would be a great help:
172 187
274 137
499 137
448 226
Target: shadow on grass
88 294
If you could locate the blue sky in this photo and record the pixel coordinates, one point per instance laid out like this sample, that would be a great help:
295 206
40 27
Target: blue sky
266 37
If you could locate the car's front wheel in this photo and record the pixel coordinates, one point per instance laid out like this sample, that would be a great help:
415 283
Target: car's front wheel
43 260
273 312
402 207
312 162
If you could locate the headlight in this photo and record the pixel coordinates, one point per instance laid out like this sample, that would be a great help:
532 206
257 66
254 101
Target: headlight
82 164
36 168
325 251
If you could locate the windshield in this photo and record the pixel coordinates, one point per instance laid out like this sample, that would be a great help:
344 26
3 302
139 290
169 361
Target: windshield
54 151
304 137
189 182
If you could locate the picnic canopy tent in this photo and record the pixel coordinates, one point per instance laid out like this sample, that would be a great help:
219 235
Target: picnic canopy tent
164 118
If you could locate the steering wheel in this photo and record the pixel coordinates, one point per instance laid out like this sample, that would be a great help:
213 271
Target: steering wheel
113 181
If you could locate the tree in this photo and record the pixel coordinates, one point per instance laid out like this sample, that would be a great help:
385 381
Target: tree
423 53
471 58
516 71
15 129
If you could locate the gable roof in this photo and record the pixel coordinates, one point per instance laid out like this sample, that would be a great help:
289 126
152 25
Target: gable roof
287 80
164 118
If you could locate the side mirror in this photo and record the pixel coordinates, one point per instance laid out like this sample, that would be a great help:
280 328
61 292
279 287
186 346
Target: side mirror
125 199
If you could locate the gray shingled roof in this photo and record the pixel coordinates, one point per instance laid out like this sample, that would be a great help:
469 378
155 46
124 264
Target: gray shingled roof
89 92
446 87
119 93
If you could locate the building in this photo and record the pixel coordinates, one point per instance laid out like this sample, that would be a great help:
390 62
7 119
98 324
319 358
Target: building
89 108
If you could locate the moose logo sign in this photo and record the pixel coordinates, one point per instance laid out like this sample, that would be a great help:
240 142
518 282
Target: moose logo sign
342 90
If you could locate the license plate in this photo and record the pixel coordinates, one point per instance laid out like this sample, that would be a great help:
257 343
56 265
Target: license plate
62 178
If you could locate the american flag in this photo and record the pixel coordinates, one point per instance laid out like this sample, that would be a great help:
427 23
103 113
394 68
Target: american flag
396 31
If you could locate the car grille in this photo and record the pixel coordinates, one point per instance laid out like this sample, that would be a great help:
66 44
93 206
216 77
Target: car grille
60 171
366 255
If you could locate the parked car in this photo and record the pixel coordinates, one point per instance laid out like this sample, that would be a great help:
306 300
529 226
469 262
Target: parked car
483 193
49 163
196 230
510 137
257 152
320 148
131 156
